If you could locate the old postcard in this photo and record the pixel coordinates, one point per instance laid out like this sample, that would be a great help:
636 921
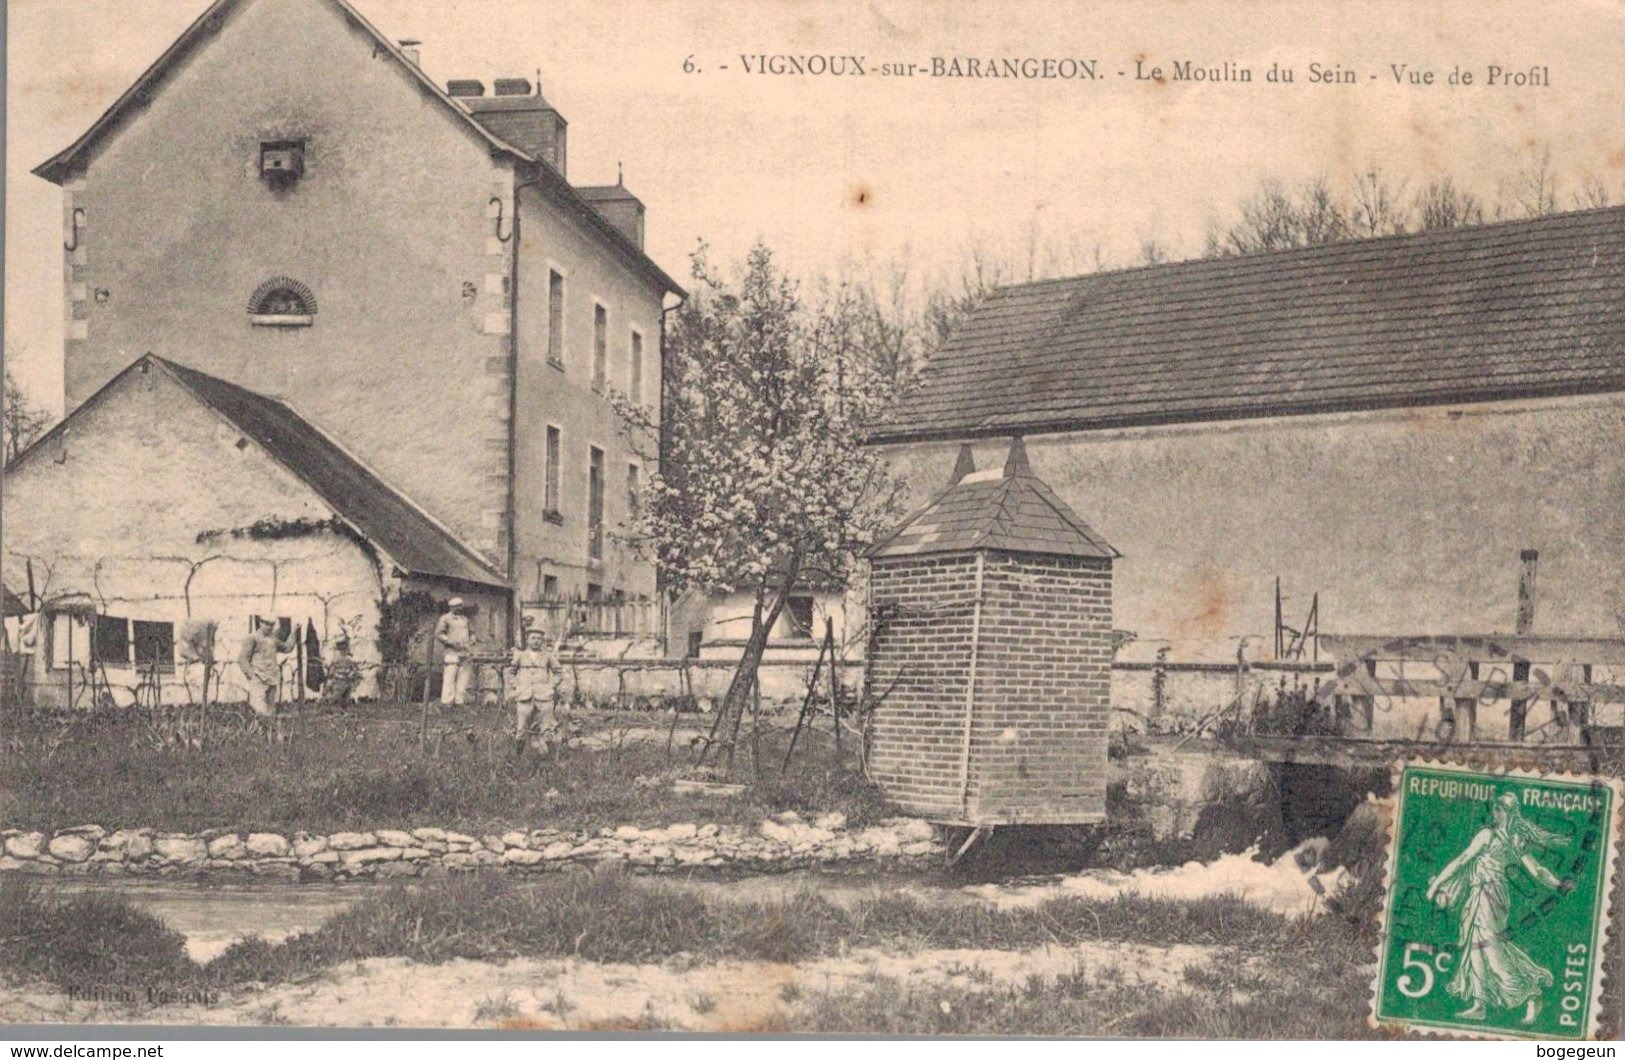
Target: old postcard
814 517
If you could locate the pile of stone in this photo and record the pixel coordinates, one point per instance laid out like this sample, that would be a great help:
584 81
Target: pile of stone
783 842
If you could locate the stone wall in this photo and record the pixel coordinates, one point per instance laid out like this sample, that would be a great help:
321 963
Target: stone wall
1405 521
779 843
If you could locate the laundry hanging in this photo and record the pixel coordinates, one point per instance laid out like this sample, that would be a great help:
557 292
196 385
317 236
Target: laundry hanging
315 673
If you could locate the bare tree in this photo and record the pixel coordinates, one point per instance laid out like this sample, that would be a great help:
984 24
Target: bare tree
1154 251
24 420
1377 206
1593 193
1440 204
1533 190
1275 217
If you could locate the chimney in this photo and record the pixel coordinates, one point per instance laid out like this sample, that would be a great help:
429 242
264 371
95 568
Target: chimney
1016 463
412 50
964 465
619 207
512 86
465 89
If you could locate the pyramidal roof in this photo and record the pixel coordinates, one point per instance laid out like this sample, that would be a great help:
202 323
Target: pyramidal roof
1003 510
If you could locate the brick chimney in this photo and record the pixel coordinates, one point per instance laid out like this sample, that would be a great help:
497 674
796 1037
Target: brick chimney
619 207
413 51
517 112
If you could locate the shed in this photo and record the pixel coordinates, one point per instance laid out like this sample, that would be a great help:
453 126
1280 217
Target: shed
992 654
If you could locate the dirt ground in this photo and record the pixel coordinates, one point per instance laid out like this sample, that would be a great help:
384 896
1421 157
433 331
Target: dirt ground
582 995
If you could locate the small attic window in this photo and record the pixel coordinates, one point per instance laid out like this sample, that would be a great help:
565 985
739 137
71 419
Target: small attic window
282 162
282 302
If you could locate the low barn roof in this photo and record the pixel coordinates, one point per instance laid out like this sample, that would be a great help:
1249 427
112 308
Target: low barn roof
379 512
1522 309
1008 510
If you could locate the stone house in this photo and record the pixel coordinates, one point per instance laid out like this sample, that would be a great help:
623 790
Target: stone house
287 202
1388 423
170 499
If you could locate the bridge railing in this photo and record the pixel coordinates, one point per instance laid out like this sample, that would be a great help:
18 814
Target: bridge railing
1519 689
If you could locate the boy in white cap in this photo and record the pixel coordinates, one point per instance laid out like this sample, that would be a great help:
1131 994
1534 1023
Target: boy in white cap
454 637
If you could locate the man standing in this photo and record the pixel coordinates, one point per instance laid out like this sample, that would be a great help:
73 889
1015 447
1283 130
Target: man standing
262 672
533 687
454 637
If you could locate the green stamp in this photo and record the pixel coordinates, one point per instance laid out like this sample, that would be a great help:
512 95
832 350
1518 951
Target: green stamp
1496 914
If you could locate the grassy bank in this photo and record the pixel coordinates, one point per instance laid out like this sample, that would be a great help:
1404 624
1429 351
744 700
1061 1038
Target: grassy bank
366 768
1271 976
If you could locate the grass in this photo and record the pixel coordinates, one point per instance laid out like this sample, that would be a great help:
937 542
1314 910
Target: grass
365 768
90 943
1278 977
607 916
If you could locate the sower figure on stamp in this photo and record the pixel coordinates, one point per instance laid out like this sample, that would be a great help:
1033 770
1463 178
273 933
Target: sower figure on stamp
262 672
533 686
455 638
1491 968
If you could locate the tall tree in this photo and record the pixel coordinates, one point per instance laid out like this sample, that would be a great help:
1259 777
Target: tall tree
764 480
24 420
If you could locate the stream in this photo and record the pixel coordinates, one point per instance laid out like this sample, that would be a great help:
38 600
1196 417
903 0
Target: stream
213 915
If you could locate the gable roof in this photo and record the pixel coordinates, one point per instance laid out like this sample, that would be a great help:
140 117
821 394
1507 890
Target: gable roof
1520 309
381 514
57 168
1009 510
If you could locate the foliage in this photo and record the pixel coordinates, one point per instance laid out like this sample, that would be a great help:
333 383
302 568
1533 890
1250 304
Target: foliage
88 942
24 420
401 620
764 479
275 529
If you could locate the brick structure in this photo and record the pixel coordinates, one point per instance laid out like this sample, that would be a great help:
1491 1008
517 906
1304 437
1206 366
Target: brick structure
993 652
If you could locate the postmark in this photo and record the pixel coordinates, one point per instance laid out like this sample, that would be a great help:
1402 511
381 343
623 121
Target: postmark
1496 918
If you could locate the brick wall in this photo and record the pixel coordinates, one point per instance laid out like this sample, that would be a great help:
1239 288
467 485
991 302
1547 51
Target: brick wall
1038 740
1038 747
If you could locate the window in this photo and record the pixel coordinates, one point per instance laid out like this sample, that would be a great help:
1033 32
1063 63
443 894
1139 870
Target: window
550 487
112 641
595 505
696 638
799 609
555 319
154 644
600 347
634 491
282 302
550 587
595 593
634 385
282 162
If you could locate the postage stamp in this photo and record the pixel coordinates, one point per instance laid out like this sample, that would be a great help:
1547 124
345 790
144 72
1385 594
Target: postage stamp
1496 917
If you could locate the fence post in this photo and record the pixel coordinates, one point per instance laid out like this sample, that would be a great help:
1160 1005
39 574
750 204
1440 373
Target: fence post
1519 713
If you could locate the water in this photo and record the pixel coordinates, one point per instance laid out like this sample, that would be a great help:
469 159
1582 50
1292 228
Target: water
214 915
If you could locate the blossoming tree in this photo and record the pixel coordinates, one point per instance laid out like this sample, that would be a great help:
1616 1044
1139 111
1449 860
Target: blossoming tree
764 480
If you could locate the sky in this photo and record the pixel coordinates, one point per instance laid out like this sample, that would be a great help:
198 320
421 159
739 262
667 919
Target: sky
844 174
